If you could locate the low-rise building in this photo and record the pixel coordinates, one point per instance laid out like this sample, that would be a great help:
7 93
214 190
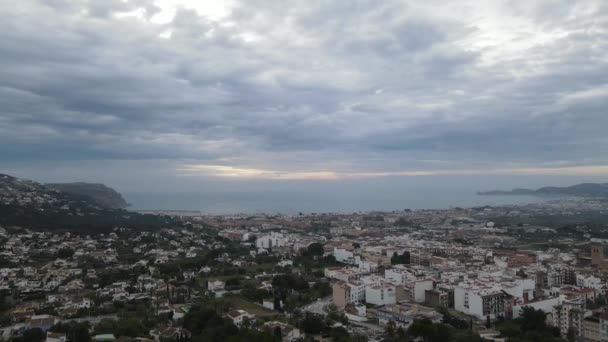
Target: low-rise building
404 314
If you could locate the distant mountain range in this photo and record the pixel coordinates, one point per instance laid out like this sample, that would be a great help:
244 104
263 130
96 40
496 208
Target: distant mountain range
579 190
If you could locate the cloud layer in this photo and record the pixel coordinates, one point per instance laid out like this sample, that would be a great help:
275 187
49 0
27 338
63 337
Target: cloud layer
317 89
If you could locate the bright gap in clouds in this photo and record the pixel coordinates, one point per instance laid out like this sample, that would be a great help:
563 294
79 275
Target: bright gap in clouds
214 10
251 173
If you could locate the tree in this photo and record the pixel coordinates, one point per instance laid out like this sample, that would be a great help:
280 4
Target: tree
532 319
78 332
403 222
530 326
400 259
312 324
34 335
339 334
488 322
105 326
314 249
389 332
278 333
131 327
277 304
65 253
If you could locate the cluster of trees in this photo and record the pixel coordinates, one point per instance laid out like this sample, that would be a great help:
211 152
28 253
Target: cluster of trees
84 221
315 325
313 250
31 335
320 227
403 222
75 332
294 290
79 332
130 327
400 259
206 324
427 331
531 326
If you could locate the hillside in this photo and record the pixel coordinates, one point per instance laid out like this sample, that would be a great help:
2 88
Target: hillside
579 190
29 204
100 194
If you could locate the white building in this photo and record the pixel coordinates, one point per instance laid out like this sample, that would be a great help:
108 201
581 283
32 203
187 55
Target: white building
342 255
239 316
522 289
480 300
284 263
272 240
546 305
418 289
569 315
344 293
366 266
344 274
216 285
380 294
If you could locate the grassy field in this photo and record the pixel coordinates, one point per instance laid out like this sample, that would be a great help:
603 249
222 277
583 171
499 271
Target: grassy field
253 308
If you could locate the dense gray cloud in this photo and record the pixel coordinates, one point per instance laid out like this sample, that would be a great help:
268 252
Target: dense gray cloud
347 87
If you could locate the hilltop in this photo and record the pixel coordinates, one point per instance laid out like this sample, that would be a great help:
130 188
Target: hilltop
579 190
30 204
100 194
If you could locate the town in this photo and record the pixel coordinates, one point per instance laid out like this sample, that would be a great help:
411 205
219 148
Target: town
461 274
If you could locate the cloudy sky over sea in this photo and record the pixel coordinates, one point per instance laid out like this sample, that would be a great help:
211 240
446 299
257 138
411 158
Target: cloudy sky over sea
186 95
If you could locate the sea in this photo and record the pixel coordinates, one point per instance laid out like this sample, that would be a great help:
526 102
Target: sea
316 201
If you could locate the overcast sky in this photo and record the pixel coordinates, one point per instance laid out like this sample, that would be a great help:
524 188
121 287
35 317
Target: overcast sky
186 92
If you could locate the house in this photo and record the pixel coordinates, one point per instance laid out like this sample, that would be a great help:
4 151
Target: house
344 293
171 334
216 285
404 314
284 263
55 337
44 322
288 333
240 316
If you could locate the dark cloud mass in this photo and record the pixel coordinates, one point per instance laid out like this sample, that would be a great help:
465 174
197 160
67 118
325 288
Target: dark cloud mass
306 86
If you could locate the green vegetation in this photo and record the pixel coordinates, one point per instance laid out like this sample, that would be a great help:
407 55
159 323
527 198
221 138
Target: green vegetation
85 222
400 259
428 331
403 222
531 326
130 327
320 227
31 335
206 323
75 332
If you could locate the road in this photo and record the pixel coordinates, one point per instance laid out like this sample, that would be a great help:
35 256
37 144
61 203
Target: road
92 319
369 326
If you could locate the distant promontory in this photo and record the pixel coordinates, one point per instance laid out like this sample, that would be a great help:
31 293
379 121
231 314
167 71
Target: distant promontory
100 194
579 190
